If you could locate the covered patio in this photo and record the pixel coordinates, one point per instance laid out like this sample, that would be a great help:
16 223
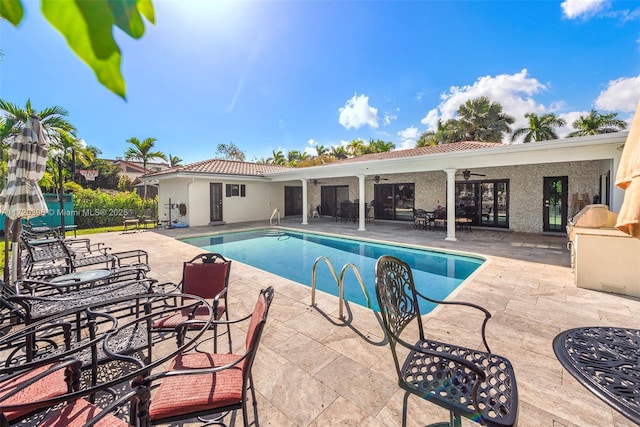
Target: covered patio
314 369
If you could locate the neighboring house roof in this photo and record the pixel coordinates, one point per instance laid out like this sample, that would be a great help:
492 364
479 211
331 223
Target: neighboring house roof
134 168
421 151
224 167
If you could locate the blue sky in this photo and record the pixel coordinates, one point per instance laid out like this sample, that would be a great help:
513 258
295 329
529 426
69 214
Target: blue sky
287 75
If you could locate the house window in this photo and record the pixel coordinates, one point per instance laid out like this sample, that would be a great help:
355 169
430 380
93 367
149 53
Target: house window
235 190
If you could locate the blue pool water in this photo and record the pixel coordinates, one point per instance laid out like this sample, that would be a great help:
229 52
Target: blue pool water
292 254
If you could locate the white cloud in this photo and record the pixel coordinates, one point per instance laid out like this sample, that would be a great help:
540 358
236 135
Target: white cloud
357 112
408 137
621 95
585 8
388 117
310 149
516 92
513 91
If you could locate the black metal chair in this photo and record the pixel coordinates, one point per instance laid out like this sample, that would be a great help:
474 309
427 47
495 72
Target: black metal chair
470 383
346 209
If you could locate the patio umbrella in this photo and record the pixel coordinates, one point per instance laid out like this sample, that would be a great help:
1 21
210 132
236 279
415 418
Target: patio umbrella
22 197
628 178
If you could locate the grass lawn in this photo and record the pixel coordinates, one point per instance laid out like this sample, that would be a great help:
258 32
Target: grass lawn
69 234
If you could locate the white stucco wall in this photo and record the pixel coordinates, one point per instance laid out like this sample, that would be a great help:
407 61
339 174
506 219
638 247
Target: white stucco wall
260 201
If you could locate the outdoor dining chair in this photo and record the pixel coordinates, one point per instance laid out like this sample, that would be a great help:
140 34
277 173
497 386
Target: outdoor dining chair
206 276
50 396
199 384
470 383
20 386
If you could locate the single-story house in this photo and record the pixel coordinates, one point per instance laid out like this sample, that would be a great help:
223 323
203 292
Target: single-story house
534 187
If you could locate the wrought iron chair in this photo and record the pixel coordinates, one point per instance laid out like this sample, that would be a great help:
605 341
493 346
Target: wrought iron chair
199 384
346 211
20 386
420 219
206 276
470 383
69 400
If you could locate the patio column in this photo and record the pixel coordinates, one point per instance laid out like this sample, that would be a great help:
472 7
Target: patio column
361 203
305 208
451 205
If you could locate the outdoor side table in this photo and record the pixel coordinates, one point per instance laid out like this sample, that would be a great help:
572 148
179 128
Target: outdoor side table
605 361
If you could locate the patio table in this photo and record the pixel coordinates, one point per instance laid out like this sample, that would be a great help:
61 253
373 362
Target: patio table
605 361
80 277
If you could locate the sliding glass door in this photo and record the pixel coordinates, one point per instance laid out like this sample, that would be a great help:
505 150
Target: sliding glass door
486 203
394 201
331 196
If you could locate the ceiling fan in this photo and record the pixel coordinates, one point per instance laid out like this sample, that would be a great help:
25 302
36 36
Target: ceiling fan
466 174
377 179
316 182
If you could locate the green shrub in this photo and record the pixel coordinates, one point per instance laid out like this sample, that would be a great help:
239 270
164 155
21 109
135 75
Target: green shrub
95 208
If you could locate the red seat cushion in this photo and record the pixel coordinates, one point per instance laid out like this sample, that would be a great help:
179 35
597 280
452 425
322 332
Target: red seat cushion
50 386
181 395
171 321
77 414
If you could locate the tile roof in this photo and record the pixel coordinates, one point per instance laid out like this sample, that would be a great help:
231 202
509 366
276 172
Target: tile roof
226 167
232 167
421 151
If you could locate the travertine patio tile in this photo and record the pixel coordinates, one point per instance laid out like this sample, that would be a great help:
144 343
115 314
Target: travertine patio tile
277 385
526 284
343 412
306 353
358 384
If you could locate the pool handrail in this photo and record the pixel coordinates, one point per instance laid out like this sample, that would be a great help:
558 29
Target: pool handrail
275 211
360 282
339 282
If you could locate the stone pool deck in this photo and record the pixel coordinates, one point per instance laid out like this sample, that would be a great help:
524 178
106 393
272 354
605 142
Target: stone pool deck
314 369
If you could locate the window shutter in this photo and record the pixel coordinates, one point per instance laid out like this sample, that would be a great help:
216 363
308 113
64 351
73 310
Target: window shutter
228 190
243 190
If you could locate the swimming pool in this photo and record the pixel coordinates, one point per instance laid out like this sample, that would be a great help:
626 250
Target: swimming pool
291 254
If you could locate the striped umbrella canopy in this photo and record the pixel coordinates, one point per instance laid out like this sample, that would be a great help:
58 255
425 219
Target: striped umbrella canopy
22 197
628 178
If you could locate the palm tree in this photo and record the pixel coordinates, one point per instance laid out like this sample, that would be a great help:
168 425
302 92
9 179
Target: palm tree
444 133
72 151
174 161
595 123
52 119
141 151
356 147
540 128
338 152
277 159
321 150
482 120
293 157
380 146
